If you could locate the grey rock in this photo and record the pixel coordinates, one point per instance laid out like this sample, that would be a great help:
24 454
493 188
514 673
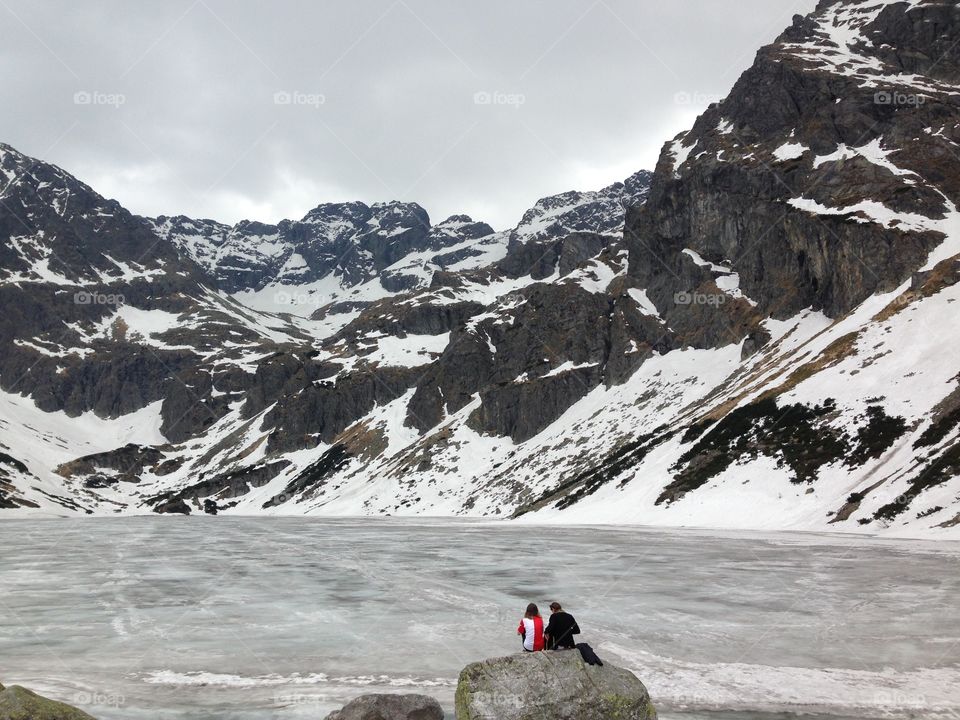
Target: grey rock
550 686
389 707
18 703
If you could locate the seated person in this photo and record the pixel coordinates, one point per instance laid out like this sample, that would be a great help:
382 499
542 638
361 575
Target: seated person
531 629
561 629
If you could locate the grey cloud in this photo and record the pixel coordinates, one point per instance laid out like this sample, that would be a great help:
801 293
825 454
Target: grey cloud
239 109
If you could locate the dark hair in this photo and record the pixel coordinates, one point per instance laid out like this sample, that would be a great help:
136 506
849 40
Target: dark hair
532 611
555 606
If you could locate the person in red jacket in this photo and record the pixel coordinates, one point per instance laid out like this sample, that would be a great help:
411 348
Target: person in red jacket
531 629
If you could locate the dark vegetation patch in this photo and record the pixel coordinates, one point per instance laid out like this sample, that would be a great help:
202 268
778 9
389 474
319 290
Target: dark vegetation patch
939 471
876 437
938 430
228 485
798 436
12 462
315 475
9 498
792 433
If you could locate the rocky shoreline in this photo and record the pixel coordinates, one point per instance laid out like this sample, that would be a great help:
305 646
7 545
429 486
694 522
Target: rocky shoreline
528 686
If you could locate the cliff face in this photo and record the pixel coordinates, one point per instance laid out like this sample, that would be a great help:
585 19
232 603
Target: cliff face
753 336
827 175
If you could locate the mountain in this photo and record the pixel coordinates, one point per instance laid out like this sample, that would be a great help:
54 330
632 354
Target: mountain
754 336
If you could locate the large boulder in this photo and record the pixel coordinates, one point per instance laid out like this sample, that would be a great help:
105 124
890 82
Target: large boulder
550 686
389 707
17 703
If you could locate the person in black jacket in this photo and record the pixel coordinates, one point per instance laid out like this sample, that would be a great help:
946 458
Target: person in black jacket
561 629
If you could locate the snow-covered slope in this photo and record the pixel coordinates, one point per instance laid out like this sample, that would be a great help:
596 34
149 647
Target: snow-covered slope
757 336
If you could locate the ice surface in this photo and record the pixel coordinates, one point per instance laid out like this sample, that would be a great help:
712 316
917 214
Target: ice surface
290 617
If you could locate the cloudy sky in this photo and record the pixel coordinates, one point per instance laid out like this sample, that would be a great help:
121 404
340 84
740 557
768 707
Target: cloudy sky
231 110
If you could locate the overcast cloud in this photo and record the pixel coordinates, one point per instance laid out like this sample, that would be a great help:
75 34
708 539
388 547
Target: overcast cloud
233 110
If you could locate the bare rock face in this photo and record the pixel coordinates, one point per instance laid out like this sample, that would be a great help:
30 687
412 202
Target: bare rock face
18 703
802 179
389 707
353 241
550 686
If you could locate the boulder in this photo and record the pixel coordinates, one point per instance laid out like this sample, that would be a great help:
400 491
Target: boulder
17 703
550 686
389 707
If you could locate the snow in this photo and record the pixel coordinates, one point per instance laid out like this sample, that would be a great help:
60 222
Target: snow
594 276
903 372
841 30
790 151
549 213
410 351
727 281
680 153
391 418
646 305
304 299
55 351
45 440
872 152
295 262
487 251
698 259
567 367
950 227
142 326
878 213
730 284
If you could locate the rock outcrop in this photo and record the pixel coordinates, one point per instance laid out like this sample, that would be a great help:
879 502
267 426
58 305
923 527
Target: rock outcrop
550 686
389 707
18 703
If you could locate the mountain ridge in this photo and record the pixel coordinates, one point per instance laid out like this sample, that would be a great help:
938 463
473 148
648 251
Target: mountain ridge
754 342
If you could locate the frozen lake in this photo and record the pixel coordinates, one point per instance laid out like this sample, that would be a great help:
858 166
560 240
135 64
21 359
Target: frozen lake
276 618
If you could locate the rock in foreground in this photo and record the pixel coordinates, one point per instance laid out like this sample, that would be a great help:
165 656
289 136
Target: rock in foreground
550 686
17 703
389 707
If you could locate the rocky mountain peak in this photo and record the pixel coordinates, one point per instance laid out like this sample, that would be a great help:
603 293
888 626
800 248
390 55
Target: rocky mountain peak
830 146
755 338
599 211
